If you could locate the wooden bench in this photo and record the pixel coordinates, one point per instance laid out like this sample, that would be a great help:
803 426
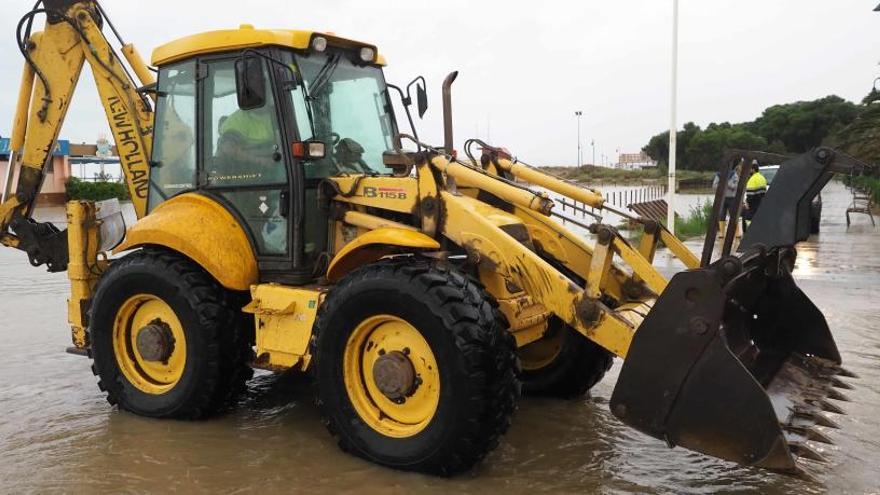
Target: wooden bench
863 202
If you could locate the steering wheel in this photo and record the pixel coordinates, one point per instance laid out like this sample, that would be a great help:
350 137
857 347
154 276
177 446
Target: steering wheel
331 156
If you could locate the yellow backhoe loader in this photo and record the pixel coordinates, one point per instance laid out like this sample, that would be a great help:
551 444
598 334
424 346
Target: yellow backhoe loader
282 225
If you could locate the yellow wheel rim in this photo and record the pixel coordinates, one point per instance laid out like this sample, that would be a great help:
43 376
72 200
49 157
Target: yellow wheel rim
400 403
541 353
153 369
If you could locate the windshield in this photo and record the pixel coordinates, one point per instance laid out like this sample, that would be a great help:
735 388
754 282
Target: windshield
769 172
347 107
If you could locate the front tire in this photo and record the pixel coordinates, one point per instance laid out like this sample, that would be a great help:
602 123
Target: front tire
563 363
413 367
166 339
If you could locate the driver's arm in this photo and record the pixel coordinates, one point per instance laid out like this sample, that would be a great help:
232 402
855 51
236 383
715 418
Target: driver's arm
243 143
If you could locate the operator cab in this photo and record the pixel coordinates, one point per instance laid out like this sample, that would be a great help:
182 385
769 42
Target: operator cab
257 120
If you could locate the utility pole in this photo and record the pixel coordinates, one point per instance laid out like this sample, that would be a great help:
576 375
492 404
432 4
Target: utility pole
673 126
593 144
578 114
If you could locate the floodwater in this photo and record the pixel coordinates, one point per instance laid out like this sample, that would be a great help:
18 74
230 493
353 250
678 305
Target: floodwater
57 433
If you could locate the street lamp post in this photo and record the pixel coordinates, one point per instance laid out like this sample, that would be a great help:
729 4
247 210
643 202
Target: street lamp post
593 144
673 126
578 114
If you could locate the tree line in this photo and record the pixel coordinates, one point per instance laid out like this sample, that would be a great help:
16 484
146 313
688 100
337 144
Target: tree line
788 128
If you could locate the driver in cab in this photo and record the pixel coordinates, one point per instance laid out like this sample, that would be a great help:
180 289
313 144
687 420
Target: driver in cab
248 146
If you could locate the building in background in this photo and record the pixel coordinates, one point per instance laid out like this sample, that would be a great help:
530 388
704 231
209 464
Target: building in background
59 169
57 172
634 161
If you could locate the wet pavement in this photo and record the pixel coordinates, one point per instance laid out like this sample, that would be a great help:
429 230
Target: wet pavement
58 434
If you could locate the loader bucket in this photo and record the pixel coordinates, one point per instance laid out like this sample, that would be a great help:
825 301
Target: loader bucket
784 217
736 362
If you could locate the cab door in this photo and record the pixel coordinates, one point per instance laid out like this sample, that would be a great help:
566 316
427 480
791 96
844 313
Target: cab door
244 160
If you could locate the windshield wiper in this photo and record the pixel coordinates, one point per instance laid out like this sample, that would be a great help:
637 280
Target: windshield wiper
324 76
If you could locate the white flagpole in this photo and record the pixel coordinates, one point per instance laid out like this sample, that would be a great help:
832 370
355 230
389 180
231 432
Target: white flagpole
673 126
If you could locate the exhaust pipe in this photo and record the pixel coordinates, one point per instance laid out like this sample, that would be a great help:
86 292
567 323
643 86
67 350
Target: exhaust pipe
447 111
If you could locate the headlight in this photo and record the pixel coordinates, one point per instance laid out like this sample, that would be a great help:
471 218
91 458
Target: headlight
319 43
308 150
316 150
368 54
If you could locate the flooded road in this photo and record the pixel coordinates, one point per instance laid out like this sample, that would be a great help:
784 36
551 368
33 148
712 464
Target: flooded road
58 434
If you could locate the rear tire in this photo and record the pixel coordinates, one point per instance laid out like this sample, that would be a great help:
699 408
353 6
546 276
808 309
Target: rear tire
563 363
455 412
204 348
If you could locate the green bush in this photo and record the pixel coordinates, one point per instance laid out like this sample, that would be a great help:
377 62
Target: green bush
95 191
696 223
871 184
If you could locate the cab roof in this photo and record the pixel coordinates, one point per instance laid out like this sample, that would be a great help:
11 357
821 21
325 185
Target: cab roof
246 36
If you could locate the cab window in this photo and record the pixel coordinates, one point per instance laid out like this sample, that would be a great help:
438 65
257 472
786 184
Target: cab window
243 147
243 158
346 106
174 153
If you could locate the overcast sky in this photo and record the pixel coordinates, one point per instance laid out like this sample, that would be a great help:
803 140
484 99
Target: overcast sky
525 67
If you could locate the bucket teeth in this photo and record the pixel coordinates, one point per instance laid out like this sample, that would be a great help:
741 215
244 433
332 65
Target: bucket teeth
804 474
845 372
810 434
838 383
823 421
835 395
816 418
825 406
817 436
802 450
827 367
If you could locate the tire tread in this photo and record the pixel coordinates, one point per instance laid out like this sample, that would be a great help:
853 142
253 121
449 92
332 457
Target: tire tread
480 334
228 350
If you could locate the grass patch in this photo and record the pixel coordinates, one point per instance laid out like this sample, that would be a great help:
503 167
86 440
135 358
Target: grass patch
870 184
95 191
696 223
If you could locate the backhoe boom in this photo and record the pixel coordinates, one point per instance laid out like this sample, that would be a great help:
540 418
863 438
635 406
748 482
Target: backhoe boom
56 55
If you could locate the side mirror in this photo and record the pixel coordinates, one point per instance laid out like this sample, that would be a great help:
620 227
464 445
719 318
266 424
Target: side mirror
421 100
421 95
250 82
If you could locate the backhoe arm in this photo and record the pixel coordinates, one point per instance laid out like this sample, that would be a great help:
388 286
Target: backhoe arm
54 61
467 224
654 231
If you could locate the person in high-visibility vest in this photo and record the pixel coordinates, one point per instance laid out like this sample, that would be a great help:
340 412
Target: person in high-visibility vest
756 188
249 141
